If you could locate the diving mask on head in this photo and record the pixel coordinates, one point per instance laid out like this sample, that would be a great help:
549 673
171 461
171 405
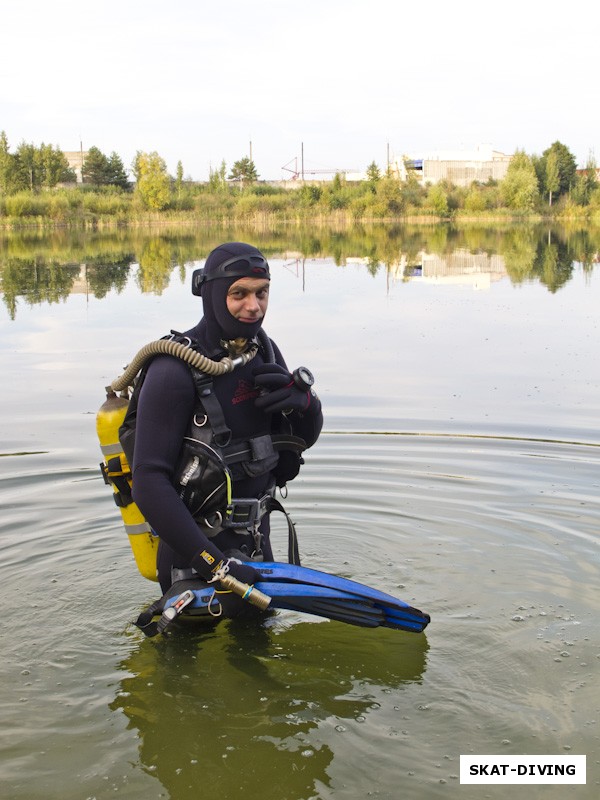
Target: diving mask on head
243 266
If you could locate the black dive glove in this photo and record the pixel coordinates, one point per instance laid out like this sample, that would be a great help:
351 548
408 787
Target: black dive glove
209 562
232 605
281 391
244 572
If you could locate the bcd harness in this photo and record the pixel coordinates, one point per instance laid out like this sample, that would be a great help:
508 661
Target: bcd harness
210 461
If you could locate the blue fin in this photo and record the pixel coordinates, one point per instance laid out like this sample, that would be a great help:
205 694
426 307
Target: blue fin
343 605
347 601
398 614
323 602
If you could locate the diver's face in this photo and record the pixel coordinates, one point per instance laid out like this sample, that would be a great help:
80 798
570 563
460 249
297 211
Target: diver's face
248 298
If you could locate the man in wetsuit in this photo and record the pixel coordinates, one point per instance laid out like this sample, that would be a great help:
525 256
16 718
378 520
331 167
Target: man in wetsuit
257 399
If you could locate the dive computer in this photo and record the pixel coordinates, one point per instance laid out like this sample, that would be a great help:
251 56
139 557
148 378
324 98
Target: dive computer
303 378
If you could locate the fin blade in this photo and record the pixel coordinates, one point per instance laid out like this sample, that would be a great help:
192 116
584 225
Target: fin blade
398 613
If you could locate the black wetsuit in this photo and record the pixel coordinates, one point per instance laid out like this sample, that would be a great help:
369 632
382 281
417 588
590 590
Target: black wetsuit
165 409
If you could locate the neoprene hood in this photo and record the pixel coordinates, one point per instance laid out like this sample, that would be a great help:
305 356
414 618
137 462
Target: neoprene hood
225 265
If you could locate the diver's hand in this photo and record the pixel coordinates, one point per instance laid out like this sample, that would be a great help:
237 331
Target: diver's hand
211 561
232 604
280 391
271 376
243 572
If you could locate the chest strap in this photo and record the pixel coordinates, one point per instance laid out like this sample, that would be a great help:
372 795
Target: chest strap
211 407
254 449
261 447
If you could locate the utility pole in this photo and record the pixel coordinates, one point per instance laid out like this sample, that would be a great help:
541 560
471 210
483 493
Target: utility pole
302 159
250 149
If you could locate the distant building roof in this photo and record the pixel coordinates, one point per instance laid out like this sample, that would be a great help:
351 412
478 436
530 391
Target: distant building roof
460 167
483 152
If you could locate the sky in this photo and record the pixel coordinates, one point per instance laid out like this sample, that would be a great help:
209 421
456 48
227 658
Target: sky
341 83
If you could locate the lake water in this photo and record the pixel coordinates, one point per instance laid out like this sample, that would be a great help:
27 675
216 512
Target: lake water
459 469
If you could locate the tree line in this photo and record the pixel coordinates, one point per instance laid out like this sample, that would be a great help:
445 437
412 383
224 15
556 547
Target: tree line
32 167
546 184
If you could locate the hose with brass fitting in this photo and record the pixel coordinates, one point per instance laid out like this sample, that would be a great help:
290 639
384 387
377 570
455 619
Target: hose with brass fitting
249 593
184 352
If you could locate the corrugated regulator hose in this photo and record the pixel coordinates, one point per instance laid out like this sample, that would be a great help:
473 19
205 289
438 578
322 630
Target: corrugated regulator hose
183 351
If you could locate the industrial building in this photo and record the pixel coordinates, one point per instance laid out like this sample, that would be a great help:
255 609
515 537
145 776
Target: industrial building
76 160
460 167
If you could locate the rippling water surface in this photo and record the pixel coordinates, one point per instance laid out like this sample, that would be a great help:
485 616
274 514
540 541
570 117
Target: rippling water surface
459 469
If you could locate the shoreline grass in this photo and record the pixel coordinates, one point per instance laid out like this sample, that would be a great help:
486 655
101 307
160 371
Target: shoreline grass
88 209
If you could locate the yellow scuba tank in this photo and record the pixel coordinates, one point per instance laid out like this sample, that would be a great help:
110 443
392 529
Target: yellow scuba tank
116 472
115 469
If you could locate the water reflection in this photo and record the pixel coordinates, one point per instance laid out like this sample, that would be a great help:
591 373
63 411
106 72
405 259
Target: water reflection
266 711
481 508
46 268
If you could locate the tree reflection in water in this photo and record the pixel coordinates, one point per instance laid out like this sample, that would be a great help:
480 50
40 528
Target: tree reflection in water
46 268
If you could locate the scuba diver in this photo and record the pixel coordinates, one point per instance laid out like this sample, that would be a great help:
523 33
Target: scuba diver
185 425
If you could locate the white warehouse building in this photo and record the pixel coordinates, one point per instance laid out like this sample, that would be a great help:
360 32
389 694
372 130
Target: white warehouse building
460 167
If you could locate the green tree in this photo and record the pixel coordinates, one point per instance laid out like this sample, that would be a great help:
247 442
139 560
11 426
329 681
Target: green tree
179 178
27 166
7 167
539 164
475 199
412 191
389 195
217 179
243 171
519 189
586 183
437 199
373 172
337 182
95 167
310 194
102 170
567 168
153 183
116 172
373 176
552 181
53 167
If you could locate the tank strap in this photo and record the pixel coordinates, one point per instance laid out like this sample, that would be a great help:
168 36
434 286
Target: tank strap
111 449
116 472
139 528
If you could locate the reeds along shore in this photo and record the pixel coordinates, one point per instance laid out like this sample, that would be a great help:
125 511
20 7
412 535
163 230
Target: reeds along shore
337 203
